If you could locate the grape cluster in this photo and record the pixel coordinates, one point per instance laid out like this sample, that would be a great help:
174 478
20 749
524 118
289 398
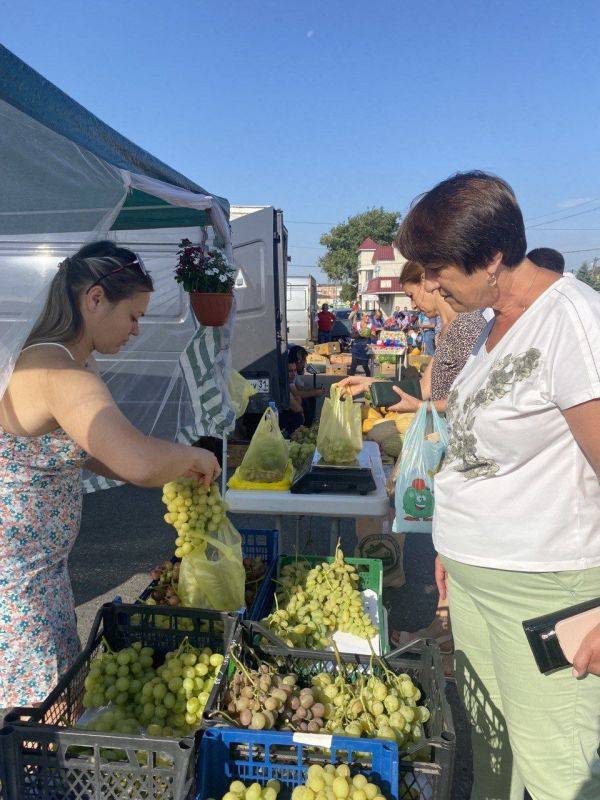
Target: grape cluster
375 707
165 591
262 698
336 783
167 701
315 602
193 510
118 677
255 569
302 445
238 791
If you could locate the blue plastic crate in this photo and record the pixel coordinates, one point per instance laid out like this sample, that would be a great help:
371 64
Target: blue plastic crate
228 754
264 544
255 543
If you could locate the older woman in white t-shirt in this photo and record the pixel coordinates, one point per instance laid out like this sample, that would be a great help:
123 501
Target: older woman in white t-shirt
517 517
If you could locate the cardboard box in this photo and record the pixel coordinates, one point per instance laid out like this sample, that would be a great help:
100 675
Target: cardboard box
343 359
386 370
328 348
337 369
315 358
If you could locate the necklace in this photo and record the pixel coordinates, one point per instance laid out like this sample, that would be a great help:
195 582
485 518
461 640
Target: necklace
524 306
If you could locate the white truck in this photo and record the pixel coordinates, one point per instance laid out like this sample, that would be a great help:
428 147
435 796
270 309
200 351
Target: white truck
301 308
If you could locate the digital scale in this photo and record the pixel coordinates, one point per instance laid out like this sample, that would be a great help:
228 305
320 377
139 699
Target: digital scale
317 477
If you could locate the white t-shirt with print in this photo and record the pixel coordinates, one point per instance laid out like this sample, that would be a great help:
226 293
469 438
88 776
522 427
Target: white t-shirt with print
516 491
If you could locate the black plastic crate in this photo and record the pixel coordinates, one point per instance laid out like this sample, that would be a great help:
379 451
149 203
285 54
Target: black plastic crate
45 757
426 766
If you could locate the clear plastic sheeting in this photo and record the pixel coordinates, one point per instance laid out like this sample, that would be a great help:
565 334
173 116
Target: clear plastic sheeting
50 185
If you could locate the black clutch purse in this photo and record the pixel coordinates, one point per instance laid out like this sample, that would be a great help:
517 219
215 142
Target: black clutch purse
383 395
543 640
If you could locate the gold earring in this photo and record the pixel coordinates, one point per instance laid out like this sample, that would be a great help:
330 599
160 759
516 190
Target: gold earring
492 280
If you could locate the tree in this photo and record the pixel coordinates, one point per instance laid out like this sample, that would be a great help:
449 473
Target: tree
589 276
340 263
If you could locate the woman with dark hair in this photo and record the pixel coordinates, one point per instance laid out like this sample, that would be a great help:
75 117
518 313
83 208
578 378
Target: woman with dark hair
55 417
517 501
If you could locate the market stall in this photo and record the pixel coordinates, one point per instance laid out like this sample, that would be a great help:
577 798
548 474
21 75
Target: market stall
235 646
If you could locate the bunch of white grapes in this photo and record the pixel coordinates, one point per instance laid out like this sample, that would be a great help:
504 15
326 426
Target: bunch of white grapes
167 701
194 510
238 791
315 602
336 783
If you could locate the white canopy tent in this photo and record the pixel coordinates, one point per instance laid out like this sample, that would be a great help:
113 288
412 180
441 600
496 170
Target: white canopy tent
67 179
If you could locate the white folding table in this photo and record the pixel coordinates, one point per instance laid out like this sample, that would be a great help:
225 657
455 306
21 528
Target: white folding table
334 506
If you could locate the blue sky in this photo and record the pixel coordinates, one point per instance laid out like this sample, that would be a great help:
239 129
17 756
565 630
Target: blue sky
327 107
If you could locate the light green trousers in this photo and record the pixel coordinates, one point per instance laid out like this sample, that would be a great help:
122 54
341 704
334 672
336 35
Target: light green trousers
527 729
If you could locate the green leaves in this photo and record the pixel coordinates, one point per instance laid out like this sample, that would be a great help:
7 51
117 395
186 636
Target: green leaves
342 242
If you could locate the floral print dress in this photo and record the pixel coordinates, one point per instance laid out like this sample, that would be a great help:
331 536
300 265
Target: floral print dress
40 512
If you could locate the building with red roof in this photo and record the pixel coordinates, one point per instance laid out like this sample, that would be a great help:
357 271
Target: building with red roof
379 270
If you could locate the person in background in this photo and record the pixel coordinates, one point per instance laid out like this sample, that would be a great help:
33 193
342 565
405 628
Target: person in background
457 337
428 327
292 417
359 350
377 320
307 395
412 337
517 500
325 320
353 311
548 258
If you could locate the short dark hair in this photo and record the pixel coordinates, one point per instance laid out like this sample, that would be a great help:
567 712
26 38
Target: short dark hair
296 352
548 258
465 220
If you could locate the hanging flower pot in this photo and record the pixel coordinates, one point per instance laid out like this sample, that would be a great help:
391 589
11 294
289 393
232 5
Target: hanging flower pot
208 277
212 309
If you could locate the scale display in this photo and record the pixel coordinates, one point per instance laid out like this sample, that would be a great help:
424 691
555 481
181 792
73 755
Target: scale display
318 477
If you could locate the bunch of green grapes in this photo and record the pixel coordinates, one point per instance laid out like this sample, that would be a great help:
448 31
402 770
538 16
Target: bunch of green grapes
171 704
300 453
238 791
304 435
336 783
314 603
374 707
168 701
118 677
194 510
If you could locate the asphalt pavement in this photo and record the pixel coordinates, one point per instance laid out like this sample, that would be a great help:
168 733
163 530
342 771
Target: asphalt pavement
123 536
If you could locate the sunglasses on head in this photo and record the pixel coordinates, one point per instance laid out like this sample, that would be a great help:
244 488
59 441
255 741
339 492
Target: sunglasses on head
136 263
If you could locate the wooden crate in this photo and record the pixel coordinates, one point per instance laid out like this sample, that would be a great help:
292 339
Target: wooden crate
337 369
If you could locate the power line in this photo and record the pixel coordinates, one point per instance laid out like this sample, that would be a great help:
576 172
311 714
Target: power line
551 213
567 216
308 222
585 250
568 229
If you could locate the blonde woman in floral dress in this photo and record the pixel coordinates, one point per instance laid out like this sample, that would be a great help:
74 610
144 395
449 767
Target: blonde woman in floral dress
56 416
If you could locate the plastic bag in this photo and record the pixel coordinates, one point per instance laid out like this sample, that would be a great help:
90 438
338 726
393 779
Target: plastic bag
267 456
422 452
214 576
240 392
339 440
